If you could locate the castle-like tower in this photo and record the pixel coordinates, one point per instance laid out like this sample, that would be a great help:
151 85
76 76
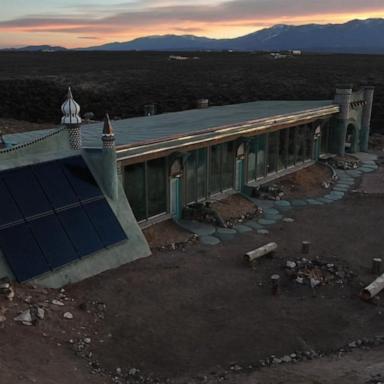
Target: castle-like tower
72 120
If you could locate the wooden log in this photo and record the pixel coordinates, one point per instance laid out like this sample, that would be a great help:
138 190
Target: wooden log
259 252
305 246
376 266
373 289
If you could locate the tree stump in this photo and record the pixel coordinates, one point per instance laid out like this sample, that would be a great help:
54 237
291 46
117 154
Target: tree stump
275 280
377 265
305 245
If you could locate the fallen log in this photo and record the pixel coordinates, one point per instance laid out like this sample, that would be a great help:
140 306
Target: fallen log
259 252
373 289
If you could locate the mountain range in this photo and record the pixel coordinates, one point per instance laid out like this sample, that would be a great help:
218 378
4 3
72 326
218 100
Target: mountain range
356 36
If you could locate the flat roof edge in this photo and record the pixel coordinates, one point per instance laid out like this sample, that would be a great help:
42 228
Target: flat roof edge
176 141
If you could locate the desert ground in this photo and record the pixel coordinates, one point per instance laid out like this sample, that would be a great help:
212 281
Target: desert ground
33 85
200 314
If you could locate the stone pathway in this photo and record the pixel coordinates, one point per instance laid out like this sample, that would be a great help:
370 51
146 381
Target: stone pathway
274 211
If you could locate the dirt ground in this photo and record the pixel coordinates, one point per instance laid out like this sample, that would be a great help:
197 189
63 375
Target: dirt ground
307 182
234 207
166 233
187 316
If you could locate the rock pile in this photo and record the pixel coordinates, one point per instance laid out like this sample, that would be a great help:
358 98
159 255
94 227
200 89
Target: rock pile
317 272
345 163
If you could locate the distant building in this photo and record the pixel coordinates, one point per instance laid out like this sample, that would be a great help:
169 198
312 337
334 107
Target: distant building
74 200
296 53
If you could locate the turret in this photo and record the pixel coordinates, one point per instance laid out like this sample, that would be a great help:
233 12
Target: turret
109 160
72 120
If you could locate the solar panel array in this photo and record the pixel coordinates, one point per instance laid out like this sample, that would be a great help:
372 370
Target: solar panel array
51 214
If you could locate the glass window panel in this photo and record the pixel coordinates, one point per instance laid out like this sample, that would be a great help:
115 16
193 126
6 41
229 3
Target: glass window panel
157 190
228 165
309 142
273 145
134 185
300 140
261 155
324 138
202 173
215 169
191 178
283 149
252 160
291 146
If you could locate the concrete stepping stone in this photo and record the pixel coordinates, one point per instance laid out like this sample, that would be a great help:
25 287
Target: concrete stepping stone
355 173
263 231
200 229
369 162
225 233
341 189
324 200
267 221
333 197
288 220
254 224
282 204
240 228
337 193
367 170
209 240
314 202
273 217
264 204
299 203
271 211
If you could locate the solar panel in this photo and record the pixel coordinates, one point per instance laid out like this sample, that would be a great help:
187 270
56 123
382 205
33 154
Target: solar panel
8 211
53 241
55 185
105 222
80 230
80 178
26 191
22 252
51 214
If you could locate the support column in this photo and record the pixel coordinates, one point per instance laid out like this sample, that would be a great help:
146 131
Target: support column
366 118
343 97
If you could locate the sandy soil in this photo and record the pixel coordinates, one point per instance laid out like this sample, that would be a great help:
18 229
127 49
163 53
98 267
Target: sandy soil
304 183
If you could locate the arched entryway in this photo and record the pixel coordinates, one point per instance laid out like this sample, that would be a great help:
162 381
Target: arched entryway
351 139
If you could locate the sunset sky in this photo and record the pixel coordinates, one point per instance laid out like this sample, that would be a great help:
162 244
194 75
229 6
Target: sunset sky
76 23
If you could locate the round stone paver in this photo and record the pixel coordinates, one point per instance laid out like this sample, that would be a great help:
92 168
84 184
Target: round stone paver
314 202
299 203
209 240
271 211
263 231
240 228
254 224
282 203
324 200
267 221
333 197
367 170
225 233
273 217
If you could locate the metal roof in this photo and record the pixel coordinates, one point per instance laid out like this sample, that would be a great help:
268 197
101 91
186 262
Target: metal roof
140 131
